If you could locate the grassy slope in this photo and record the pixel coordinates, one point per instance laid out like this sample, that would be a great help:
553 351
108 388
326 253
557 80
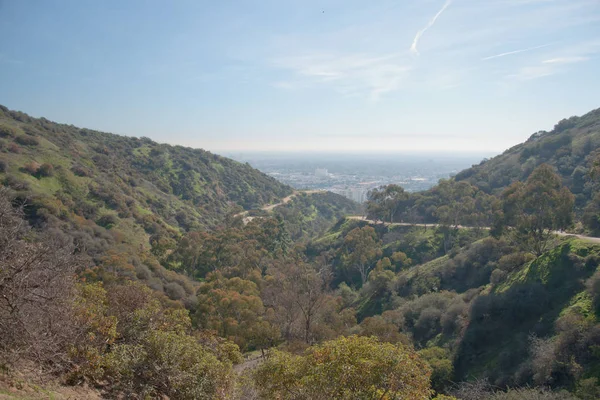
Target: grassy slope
135 188
310 215
527 302
204 185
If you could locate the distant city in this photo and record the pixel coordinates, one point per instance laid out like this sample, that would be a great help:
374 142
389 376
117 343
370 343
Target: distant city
354 175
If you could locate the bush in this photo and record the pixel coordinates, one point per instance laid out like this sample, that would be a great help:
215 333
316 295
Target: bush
175 291
497 276
26 140
80 170
3 165
36 288
142 272
15 184
6 130
108 221
440 361
14 148
383 330
531 394
169 364
593 288
45 170
346 368
512 261
31 168
588 389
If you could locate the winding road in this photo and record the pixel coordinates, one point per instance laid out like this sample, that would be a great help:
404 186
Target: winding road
589 239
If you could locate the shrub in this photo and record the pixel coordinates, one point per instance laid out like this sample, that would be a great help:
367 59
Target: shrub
497 276
346 368
588 389
175 291
26 140
142 272
108 221
593 288
31 167
512 261
170 364
543 359
531 394
36 288
14 148
383 330
6 130
15 184
45 170
80 170
440 361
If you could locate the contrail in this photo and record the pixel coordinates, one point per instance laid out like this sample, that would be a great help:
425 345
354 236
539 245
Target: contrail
413 48
516 52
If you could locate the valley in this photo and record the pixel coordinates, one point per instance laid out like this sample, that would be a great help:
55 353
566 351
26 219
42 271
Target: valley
121 257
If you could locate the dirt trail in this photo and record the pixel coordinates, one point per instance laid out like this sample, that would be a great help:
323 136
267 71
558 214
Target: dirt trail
287 199
589 239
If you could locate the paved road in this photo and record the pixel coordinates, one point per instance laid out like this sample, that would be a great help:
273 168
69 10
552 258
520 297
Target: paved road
285 200
590 239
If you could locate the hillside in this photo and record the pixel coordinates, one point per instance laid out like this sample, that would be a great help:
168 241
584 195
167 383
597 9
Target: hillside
473 197
133 186
571 147
309 216
484 311
142 274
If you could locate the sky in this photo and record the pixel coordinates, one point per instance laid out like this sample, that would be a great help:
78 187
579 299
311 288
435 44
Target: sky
305 75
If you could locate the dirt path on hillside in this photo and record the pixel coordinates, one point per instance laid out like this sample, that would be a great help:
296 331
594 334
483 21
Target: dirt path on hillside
285 200
589 239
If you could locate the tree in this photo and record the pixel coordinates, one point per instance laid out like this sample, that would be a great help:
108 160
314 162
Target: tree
167 363
136 344
297 291
384 331
440 361
401 260
361 249
231 307
283 240
534 210
36 292
386 202
591 216
352 367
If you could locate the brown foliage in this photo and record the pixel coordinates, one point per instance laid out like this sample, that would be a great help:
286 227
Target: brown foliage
36 290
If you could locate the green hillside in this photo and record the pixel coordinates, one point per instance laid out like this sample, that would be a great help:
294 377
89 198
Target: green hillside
472 197
310 215
571 147
113 217
138 189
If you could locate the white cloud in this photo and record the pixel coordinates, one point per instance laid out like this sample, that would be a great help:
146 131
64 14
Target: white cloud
558 61
413 47
565 60
354 74
515 52
533 72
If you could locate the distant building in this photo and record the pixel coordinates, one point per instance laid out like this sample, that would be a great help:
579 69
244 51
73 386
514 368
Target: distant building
356 194
359 195
322 173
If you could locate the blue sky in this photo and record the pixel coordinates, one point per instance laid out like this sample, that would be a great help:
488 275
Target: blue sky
339 75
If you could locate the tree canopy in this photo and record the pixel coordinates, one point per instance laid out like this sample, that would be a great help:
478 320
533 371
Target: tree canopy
533 210
354 367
